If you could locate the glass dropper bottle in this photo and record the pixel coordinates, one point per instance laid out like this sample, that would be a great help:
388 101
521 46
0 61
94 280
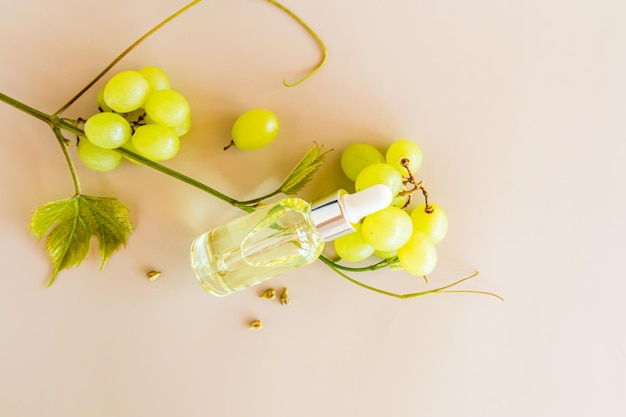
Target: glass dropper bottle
278 238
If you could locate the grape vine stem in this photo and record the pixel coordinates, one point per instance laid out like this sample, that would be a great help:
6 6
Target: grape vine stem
62 142
313 34
441 290
186 179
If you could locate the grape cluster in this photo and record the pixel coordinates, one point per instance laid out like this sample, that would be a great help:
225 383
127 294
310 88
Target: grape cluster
395 231
139 112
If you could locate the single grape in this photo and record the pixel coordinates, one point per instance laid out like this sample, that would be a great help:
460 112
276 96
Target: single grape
358 156
157 78
97 158
156 142
419 255
402 150
126 91
107 130
168 108
387 229
353 247
433 224
255 129
379 173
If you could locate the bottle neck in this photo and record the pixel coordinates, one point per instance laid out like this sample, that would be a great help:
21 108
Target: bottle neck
329 218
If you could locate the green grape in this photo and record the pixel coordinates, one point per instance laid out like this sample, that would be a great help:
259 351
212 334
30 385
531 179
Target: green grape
387 229
126 91
157 78
97 158
400 201
100 100
419 255
156 142
255 129
358 156
379 173
183 128
167 107
107 130
353 247
404 150
433 224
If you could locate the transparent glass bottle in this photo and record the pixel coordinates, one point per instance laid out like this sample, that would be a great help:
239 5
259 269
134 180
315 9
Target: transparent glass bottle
278 238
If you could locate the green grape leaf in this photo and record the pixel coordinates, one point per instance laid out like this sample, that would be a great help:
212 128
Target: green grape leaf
70 225
303 172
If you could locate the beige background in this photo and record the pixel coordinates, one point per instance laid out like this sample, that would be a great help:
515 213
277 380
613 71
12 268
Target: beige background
519 108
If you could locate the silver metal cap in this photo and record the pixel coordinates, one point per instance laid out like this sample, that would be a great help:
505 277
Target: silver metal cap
329 218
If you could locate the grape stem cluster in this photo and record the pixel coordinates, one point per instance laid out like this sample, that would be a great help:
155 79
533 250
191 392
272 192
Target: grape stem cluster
417 185
58 124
